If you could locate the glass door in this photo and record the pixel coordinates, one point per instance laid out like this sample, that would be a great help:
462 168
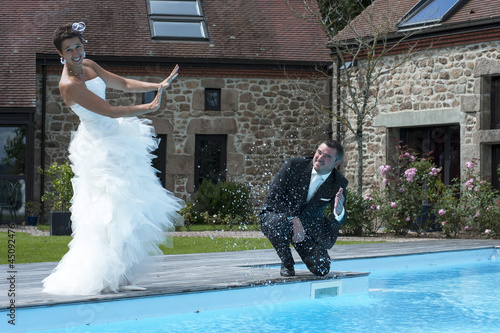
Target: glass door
13 155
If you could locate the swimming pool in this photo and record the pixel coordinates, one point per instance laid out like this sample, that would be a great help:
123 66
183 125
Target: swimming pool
442 292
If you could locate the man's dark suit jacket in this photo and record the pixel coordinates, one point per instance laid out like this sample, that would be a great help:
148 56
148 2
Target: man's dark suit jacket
288 196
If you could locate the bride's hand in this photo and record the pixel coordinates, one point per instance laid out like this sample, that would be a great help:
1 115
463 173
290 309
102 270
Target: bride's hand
171 77
155 104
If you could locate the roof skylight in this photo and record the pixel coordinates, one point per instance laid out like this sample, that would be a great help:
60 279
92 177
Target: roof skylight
177 20
429 11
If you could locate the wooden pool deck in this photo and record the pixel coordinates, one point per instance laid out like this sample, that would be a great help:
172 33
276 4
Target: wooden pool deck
175 274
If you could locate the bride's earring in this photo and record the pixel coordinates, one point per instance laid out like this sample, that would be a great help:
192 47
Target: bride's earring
63 61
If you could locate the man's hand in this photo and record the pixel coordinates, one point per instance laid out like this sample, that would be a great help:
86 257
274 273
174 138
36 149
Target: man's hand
299 234
339 201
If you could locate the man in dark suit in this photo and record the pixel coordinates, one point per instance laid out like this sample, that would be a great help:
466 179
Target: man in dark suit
293 212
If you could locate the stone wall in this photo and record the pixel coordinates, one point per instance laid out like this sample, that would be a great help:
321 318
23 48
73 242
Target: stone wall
435 86
265 119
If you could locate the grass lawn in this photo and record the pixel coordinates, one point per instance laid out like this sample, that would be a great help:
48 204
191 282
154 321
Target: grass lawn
30 249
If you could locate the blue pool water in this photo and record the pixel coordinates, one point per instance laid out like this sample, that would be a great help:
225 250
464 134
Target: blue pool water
428 297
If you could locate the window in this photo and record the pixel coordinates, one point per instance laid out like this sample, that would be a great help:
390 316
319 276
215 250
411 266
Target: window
13 156
495 103
210 158
442 143
429 11
160 161
148 97
212 99
495 164
177 20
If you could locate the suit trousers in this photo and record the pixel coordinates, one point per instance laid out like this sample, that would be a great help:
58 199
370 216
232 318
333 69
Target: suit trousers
278 229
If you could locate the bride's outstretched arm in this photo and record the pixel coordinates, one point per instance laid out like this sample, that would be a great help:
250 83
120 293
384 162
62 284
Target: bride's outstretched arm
130 85
75 92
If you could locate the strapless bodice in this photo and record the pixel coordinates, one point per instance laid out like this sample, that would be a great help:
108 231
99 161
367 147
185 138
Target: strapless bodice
98 87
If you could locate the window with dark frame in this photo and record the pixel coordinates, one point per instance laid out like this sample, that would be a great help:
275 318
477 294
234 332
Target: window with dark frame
149 96
495 103
210 158
160 161
212 99
16 165
442 143
495 164
177 20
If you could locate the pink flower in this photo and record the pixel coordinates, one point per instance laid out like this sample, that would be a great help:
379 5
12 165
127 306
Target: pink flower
401 190
393 205
384 169
434 171
466 227
487 231
367 196
372 206
378 207
410 173
443 223
384 181
469 165
412 158
477 214
441 212
407 219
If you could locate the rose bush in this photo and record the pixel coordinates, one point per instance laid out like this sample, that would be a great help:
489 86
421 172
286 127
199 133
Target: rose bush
406 188
469 205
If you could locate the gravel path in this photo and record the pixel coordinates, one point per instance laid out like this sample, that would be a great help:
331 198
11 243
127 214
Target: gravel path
258 234
238 234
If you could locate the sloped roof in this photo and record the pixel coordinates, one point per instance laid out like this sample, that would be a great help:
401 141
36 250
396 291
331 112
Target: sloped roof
241 31
388 12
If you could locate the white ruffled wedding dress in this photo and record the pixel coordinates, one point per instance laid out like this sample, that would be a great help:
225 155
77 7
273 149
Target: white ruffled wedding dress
120 212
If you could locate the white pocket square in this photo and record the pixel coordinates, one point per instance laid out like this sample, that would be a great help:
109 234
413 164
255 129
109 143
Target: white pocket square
325 199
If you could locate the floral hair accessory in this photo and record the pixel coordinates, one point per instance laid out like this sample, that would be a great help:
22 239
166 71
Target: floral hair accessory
79 27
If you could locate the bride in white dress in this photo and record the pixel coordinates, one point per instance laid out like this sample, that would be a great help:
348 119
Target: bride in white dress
120 212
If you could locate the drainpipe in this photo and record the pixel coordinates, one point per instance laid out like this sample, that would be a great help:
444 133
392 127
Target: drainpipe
329 130
338 99
42 139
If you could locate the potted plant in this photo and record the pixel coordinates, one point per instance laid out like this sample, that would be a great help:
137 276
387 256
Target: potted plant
59 196
32 210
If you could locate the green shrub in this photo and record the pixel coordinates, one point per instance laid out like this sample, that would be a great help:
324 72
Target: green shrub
222 203
61 188
189 214
204 198
360 217
232 199
412 183
471 204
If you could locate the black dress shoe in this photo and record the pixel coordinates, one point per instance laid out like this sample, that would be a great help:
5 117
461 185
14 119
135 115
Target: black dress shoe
287 270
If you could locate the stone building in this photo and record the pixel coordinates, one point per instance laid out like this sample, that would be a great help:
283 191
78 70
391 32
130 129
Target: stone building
244 100
444 99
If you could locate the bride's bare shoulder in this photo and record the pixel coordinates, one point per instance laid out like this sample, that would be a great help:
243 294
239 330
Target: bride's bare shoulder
68 86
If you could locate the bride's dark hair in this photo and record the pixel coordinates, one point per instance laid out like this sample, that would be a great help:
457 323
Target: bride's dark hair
65 32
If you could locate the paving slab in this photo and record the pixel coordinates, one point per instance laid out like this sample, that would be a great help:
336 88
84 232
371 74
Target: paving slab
174 274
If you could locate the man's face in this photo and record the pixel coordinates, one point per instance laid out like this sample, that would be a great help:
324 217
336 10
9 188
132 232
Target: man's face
325 159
